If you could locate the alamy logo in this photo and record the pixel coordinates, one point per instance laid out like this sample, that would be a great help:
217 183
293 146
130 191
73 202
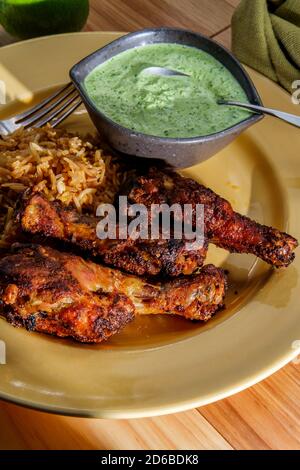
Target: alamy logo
160 221
296 346
2 92
2 352
296 93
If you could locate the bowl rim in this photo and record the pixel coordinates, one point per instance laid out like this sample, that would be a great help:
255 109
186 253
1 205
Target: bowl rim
250 120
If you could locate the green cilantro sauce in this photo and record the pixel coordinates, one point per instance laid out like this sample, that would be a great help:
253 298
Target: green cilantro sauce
166 106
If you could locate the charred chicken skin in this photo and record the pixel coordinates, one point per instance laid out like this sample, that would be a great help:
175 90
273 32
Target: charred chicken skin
141 257
223 227
48 291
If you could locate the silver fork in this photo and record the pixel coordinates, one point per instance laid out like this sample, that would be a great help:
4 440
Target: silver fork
53 110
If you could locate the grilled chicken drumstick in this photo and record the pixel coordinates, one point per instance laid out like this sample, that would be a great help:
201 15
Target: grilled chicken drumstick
47 291
223 227
141 257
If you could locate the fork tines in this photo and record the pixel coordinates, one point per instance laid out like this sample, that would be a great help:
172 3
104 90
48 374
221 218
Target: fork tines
52 110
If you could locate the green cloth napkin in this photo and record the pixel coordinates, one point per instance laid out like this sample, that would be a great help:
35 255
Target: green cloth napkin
266 36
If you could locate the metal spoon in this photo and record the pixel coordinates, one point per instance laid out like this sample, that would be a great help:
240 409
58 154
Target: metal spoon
163 72
287 117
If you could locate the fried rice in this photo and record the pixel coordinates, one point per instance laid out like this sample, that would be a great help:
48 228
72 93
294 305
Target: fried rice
62 165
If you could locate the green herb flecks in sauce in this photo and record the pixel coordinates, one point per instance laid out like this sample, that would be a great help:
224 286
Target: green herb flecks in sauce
166 106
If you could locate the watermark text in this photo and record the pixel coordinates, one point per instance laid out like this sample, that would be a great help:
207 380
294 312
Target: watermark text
160 221
296 93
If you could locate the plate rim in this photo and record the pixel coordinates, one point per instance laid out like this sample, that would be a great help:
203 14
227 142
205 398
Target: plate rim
154 411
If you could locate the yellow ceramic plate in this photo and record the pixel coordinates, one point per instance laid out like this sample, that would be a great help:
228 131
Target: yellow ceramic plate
161 365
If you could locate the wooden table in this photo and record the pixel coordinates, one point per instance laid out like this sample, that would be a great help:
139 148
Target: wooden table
266 416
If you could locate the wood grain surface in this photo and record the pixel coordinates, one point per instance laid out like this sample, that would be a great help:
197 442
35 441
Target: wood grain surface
267 415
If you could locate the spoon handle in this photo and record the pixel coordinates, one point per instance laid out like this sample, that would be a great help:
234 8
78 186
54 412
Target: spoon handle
290 118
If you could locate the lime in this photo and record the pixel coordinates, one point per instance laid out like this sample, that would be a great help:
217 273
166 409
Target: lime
30 18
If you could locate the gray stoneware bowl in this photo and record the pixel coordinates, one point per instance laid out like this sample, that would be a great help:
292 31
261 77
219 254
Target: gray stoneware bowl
181 152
